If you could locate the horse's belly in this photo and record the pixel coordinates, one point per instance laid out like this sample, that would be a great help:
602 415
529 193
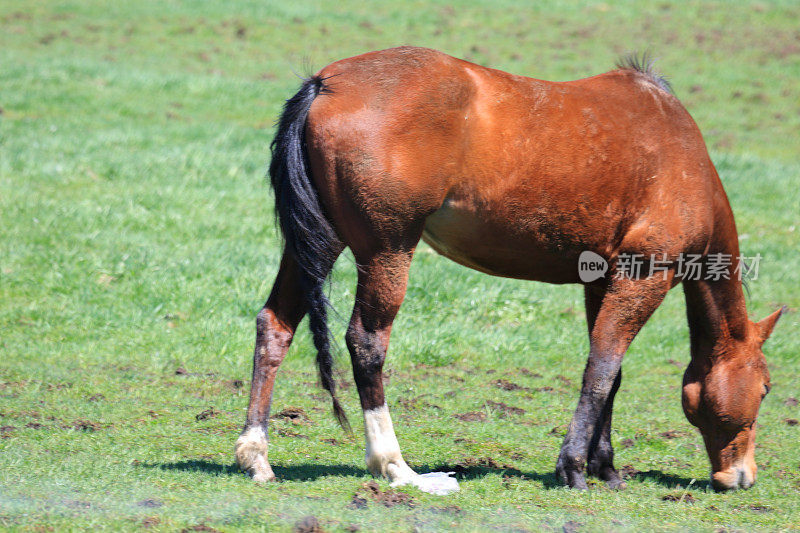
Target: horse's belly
488 244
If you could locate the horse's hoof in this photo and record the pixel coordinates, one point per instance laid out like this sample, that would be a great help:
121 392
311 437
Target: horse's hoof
578 482
612 478
616 484
572 479
251 455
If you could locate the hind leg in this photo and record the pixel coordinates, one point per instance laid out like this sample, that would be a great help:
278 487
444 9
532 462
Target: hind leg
381 288
275 327
601 452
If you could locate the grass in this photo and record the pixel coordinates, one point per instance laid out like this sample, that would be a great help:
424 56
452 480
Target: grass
137 245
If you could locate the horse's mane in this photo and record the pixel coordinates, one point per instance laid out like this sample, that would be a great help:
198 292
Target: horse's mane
646 65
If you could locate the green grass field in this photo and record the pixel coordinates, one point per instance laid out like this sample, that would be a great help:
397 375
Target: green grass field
137 244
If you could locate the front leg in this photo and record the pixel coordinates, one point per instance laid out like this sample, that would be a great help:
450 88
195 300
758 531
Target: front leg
601 452
625 307
598 381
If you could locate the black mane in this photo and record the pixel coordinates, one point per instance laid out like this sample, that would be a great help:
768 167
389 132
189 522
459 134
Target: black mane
646 65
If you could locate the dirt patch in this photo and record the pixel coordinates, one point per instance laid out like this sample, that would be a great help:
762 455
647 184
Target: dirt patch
150 521
571 527
685 497
180 371
207 414
309 524
790 402
790 421
677 463
5 431
58 386
627 443
150 503
672 434
673 362
450 509
559 430
546 388
530 373
331 441
413 404
86 425
295 415
486 462
472 463
34 425
78 504
473 416
508 385
388 498
96 397
358 502
565 380
627 471
505 409
200 527
286 432
759 508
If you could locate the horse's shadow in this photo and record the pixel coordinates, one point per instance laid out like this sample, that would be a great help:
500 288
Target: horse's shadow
300 472
673 481
312 472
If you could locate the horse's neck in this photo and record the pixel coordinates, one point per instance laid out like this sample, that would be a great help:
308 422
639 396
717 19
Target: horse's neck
716 309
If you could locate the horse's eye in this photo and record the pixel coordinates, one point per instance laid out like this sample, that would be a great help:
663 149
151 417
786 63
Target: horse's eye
767 388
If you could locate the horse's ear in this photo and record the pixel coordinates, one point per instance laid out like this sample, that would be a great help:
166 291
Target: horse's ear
766 326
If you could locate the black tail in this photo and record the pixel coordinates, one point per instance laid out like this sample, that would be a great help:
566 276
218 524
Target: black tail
308 233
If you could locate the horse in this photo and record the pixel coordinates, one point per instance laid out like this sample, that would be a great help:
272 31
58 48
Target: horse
515 177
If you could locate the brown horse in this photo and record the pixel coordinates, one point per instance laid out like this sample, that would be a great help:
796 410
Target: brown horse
515 177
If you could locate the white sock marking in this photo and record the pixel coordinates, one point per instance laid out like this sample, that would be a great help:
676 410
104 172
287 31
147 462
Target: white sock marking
251 454
384 457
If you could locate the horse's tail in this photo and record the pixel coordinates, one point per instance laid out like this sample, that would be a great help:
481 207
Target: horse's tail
307 232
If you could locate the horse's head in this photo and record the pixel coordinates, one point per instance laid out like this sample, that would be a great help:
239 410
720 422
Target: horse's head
721 397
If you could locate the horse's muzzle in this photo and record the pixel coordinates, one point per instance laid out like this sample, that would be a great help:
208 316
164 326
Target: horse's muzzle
737 477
